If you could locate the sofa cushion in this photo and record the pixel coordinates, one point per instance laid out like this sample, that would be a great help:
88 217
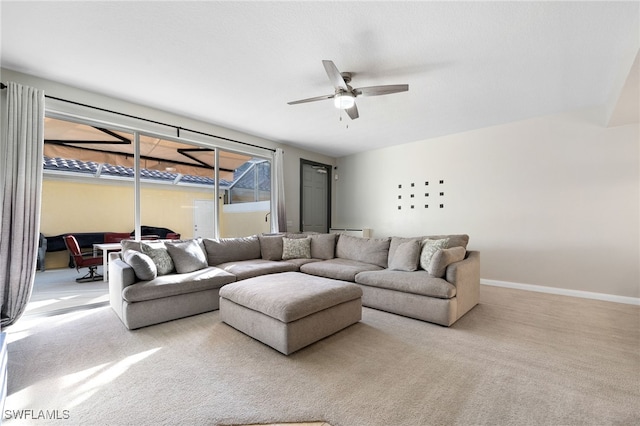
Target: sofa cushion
160 256
244 269
224 250
396 241
142 265
443 258
417 282
174 284
271 246
406 256
368 250
296 248
323 246
429 248
300 262
187 256
338 268
137 245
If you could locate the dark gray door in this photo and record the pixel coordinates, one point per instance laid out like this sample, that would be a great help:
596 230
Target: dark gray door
315 196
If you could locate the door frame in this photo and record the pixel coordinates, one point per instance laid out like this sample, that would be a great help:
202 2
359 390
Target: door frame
329 169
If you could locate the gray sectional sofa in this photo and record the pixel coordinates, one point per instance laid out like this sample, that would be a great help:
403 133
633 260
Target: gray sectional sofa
430 278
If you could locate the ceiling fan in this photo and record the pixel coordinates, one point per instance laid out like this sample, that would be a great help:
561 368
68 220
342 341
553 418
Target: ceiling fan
345 95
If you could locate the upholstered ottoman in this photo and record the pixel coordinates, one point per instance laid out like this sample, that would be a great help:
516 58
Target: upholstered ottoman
290 310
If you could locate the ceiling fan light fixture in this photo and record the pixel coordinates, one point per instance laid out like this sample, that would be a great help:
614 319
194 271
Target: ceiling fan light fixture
344 100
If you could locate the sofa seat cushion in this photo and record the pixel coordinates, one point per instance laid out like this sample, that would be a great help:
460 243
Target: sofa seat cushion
338 268
417 282
290 296
300 262
244 269
173 284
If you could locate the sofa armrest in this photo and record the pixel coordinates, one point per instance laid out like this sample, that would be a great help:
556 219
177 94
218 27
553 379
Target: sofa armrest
121 275
465 275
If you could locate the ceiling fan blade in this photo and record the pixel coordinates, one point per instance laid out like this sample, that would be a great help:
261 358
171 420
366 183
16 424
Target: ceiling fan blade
335 76
317 98
353 112
381 90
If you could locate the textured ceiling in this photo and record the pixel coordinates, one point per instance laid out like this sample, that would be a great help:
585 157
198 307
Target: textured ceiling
237 64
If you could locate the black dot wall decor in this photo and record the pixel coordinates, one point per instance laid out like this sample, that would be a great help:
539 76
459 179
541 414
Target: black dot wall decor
407 195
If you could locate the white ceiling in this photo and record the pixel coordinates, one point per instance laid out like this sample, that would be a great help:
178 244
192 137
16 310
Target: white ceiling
236 64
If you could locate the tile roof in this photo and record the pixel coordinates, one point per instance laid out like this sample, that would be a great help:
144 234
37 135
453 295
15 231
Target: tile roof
91 168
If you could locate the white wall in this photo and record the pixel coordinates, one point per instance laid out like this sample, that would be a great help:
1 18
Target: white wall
291 158
551 201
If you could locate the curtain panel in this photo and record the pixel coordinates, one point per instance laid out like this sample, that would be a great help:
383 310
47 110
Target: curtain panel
20 196
279 215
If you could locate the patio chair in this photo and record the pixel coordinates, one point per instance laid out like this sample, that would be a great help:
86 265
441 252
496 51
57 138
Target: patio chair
83 260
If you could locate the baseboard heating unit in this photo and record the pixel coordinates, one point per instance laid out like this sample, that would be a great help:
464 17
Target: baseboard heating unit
354 232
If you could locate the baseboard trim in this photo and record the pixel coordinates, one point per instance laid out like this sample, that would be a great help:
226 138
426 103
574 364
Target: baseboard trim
563 292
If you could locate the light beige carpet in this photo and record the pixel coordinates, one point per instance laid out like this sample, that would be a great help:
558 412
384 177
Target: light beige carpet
518 358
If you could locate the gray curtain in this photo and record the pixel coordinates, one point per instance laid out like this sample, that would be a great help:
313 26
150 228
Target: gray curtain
20 193
279 215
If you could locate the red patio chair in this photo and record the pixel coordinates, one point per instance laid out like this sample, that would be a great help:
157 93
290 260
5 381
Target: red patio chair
83 260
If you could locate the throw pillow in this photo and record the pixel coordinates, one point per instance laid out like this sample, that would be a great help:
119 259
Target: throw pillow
443 258
296 248
142 265
271 247
455 240
130 245
160 257
429 248
323 246
187 256
406 256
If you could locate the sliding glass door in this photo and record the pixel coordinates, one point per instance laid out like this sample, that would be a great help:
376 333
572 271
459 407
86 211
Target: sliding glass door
106 179
245 195
87 188
177 186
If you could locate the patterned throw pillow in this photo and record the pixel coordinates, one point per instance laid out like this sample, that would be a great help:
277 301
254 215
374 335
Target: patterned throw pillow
429 248
160 257
296 248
